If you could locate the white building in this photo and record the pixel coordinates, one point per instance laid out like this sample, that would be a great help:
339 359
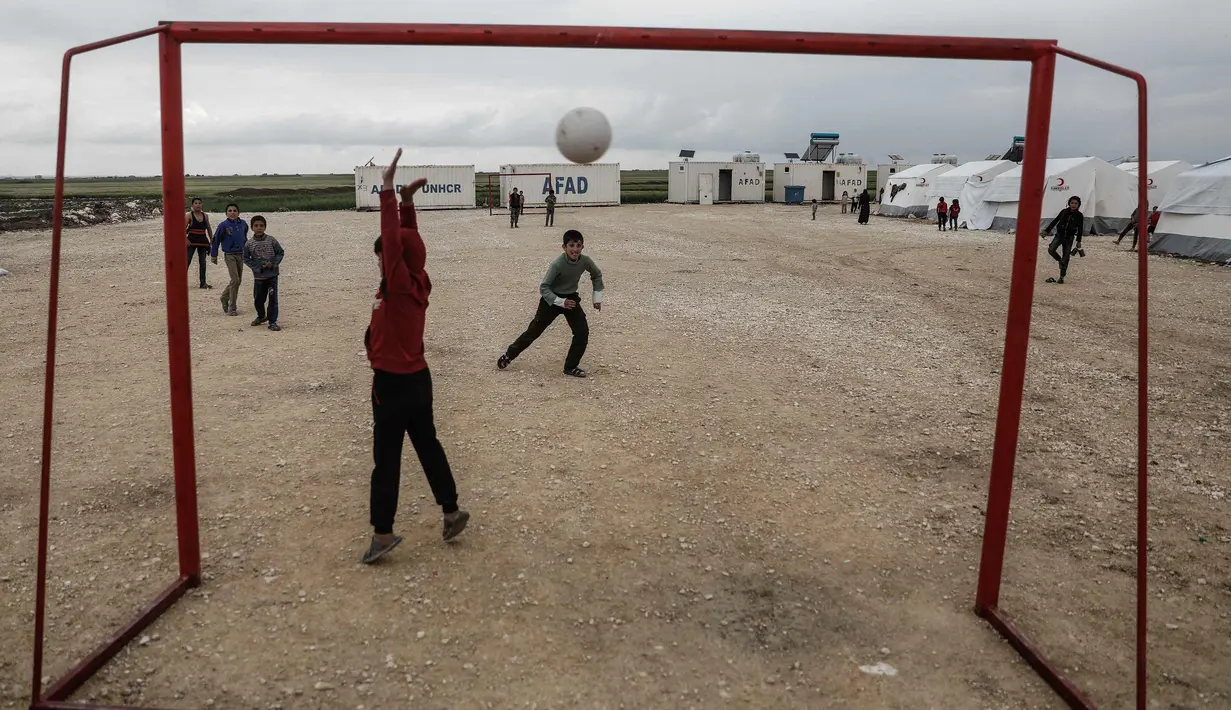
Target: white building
448 186
706 183
823 182
1196 221
906 193
593 185
1107 198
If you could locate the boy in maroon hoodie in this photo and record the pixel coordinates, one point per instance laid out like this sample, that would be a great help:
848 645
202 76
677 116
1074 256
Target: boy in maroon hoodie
401 381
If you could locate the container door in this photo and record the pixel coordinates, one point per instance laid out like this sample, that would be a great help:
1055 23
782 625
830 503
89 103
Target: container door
707 188
724 185
827 186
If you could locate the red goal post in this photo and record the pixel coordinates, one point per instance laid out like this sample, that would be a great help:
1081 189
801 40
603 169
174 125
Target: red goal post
530 183
1039 54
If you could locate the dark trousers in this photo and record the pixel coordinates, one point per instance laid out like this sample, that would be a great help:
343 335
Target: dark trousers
1059 250
543 317
202 252
551 217
952 221
942 218
514 213
263 289
401 406
1131 225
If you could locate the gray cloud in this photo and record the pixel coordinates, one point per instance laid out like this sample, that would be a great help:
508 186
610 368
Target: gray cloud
315 109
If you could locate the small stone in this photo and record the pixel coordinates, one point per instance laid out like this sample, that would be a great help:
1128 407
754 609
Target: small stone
1201 580
421 634
322 685
1173 627
884 650
587 544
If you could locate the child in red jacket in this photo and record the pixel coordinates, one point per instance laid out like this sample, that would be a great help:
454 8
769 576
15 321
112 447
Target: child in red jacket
401 381
942 214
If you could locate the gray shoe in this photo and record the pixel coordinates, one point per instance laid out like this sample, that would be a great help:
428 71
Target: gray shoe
453 528
376 550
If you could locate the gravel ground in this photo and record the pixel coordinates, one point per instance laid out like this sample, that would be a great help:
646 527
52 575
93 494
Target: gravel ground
775 476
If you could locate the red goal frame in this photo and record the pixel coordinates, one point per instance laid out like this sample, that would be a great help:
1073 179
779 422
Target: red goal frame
491 206
1040 54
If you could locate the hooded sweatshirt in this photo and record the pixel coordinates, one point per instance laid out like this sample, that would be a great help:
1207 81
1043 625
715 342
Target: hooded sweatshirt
394 339
231 235
1068 224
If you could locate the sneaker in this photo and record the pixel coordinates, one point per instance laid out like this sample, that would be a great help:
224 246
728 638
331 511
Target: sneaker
453 528
376 550
258 321
503 361
575 372
233 312
226 306
274 326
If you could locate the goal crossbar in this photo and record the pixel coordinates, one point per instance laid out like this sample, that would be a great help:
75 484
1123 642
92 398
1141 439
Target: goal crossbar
1040 54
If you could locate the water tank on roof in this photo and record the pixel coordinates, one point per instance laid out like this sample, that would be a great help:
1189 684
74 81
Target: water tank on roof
850 159
944 159
746 157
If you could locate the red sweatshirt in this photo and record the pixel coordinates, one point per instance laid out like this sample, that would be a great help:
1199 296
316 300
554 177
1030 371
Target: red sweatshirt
395 336
942 207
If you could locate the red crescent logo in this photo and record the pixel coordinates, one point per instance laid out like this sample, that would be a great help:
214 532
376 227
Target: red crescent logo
1149 182
1059 182
980 178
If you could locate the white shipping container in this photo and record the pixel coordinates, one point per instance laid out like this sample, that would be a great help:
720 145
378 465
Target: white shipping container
823 182
576 185
449 187
729 182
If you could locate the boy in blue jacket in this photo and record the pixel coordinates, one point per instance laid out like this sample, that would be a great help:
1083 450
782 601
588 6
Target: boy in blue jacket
231 235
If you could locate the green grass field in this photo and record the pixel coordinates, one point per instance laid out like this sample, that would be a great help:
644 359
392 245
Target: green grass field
275 193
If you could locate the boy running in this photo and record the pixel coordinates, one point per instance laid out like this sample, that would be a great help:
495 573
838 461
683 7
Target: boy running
401 380
231 235
263 254
1068 224
559 296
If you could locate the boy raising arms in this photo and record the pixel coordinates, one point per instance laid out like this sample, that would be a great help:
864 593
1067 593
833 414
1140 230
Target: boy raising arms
401 381
231 235
559 296
263 254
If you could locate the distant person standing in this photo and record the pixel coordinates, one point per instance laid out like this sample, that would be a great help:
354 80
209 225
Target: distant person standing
865 206
551 208
846 200
954 210
855 202
513 208
815 205
881 199
231 235
1154 217
196 222
942 215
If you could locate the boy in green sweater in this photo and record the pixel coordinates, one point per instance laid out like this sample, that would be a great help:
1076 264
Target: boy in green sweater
559 296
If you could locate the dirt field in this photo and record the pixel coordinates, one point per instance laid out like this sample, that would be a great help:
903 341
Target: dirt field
775 476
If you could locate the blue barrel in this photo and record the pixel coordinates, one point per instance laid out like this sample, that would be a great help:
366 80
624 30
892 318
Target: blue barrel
794 194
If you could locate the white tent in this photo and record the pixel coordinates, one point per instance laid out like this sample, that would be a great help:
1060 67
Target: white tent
1196 219
1107 198
968 182
1159 176
906 192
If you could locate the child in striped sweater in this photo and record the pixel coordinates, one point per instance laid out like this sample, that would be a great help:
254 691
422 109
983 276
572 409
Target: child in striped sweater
263 254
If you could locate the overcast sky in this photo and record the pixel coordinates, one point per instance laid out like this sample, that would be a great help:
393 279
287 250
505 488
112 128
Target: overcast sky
288 109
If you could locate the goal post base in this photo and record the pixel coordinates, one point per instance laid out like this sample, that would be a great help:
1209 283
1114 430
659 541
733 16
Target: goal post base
1032 655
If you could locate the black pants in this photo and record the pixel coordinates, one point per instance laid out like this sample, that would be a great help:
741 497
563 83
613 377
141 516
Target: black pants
942 218
262 290
201 254
1059 250
543 317
551 217
514 213
401 406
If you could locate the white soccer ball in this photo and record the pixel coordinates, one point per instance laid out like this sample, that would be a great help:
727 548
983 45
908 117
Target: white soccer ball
583 135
